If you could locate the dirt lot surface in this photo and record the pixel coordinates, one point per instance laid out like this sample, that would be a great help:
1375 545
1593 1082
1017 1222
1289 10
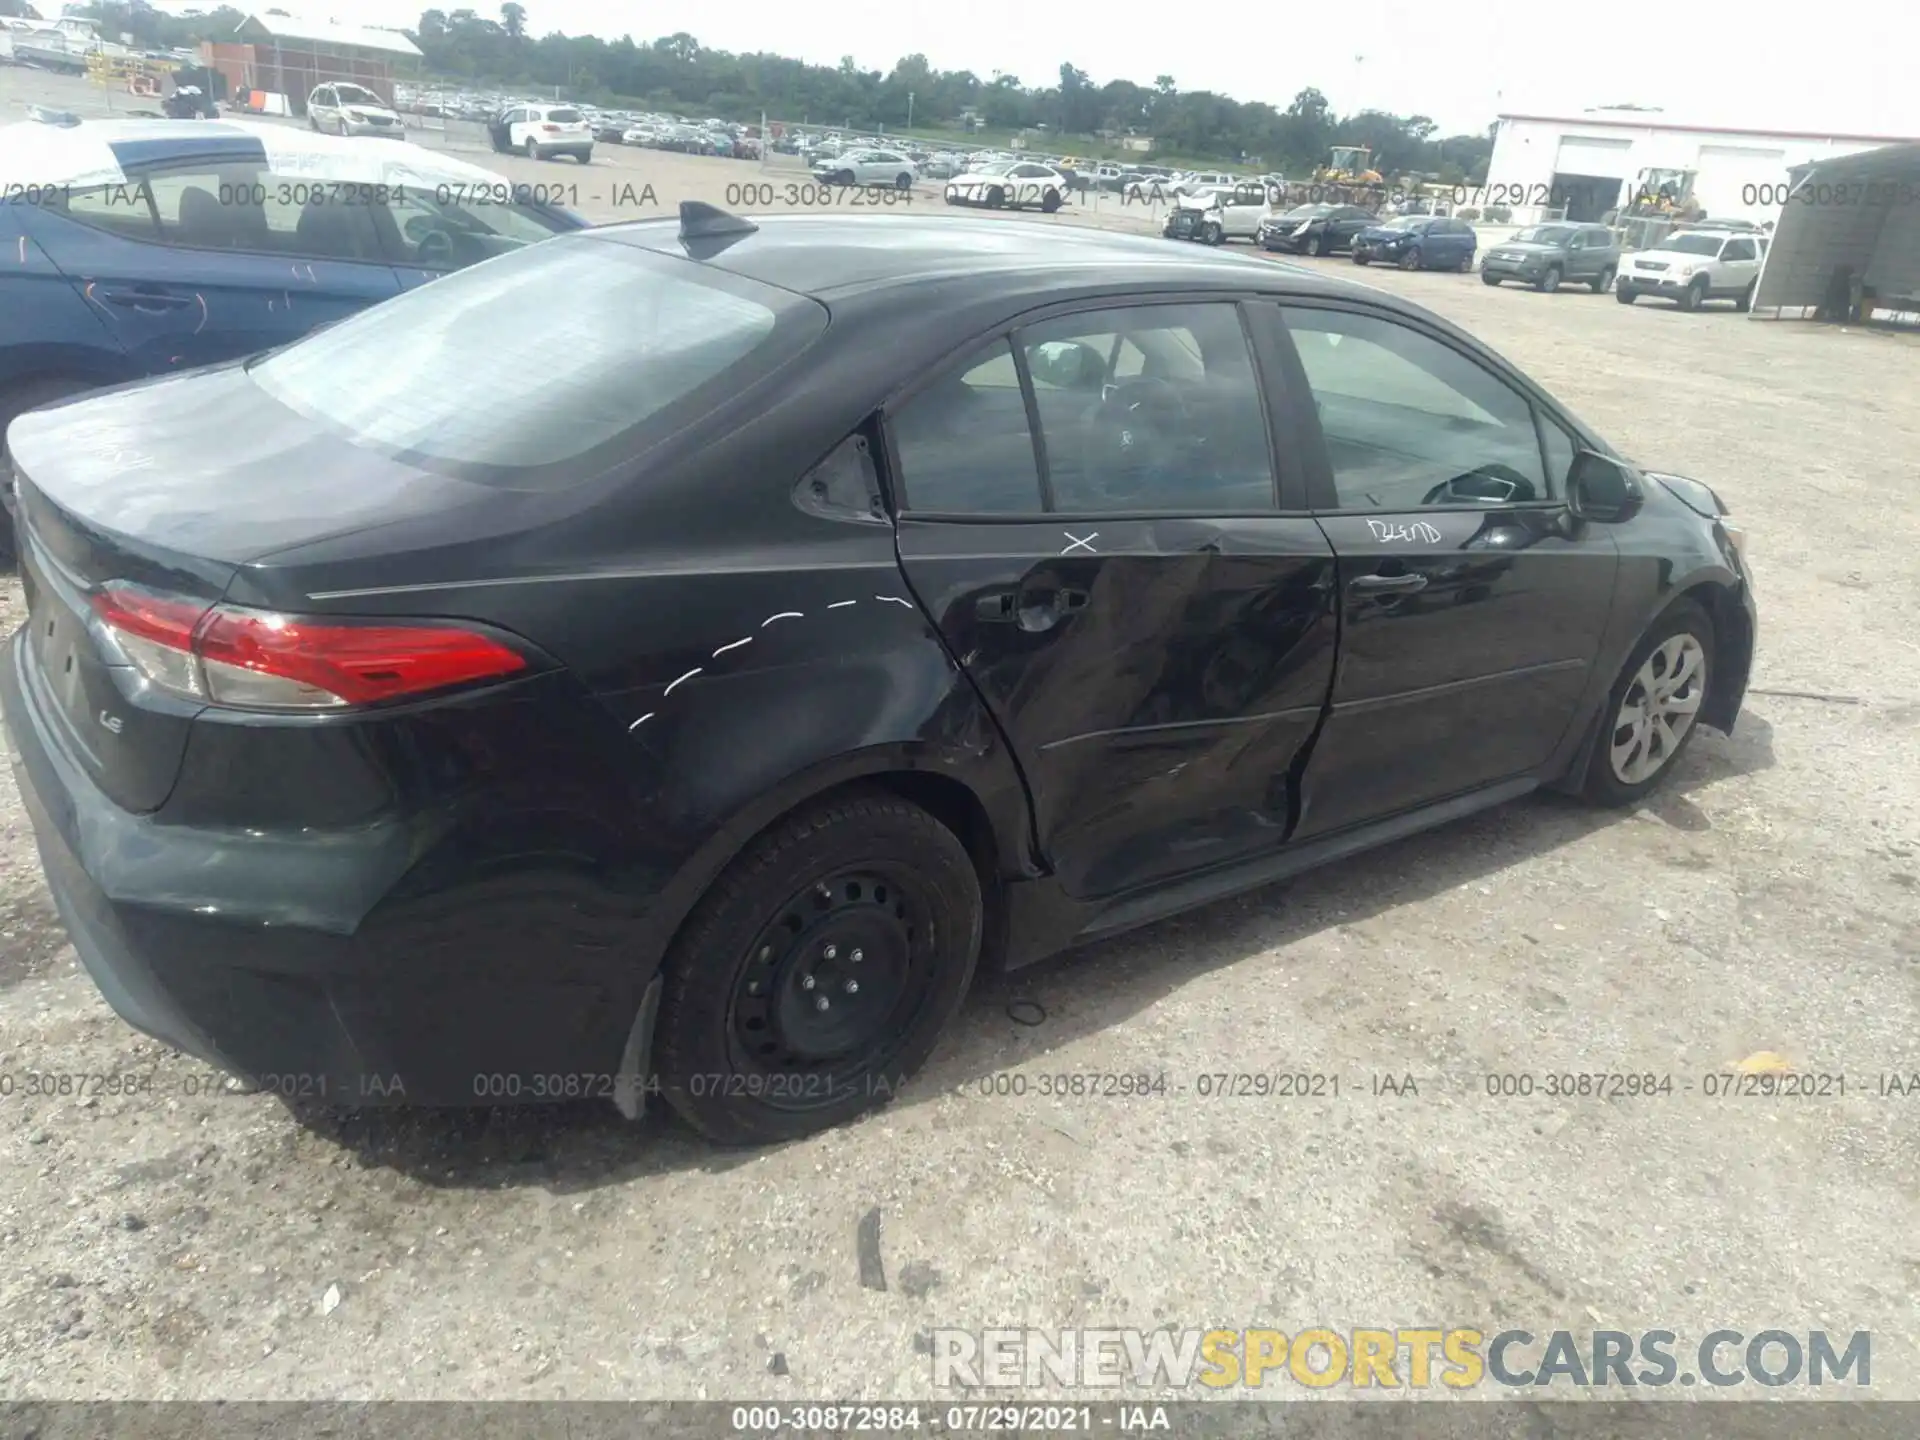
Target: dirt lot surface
189 1245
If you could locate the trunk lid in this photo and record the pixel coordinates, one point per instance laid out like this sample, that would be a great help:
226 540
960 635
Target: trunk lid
145 487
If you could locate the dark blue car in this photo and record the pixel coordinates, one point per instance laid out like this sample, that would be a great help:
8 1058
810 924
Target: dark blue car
1418 242
143 247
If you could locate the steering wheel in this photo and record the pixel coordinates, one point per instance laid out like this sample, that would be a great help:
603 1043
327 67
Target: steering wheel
1133 434
433 247
1488 484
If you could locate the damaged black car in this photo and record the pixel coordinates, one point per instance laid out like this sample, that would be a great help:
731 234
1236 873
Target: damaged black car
673 659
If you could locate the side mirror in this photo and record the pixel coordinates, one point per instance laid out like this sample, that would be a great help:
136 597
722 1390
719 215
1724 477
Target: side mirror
1601 490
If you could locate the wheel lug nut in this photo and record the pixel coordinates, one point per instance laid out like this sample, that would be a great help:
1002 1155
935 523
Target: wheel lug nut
822 1003
856 957
831 951
806 982
853 987
753 987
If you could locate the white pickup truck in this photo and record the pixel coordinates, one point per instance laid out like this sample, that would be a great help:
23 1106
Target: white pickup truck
1691 267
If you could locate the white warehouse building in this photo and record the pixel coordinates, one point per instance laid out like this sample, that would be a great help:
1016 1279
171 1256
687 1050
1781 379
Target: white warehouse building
1582 166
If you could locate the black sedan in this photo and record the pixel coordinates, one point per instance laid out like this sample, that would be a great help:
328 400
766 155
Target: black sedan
1315 229
675 659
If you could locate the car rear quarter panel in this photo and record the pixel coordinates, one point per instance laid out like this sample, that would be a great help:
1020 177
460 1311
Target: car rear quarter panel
735 652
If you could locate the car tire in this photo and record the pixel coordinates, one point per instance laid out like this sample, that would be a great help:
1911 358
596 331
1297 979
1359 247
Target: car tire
861 870
1617 773
13 404
1487 277
1549 282
1413 260
1051 202
1603 282
1625 294
1466 263
533 150
1745 302
1213 235
1360 258
903 181
996 197
842 179
1319 247
1694 296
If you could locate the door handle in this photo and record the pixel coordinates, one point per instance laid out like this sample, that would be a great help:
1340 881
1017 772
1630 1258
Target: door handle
146 299
1387 584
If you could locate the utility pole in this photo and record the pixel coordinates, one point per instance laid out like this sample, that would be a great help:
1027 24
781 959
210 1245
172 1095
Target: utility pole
909 109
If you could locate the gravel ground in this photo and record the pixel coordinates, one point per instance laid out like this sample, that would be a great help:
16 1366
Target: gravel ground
197 1243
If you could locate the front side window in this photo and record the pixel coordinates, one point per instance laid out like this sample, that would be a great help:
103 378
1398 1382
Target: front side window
511 372
1150 407
1409 421
1739 250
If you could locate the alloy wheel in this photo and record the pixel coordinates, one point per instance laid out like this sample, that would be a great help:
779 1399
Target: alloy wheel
1658 709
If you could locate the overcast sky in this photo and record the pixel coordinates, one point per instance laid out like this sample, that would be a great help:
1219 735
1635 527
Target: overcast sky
1454 63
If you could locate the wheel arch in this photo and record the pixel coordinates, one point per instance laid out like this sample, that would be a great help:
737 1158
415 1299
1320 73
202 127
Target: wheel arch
1719 594
985 807
994 825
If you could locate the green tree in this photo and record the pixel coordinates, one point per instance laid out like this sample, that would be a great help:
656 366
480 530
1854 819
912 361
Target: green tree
513 20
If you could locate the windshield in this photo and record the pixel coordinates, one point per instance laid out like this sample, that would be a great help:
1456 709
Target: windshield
528 362
1308 212
1545 235
1693 244
997 167
354 95
1408 222
563 117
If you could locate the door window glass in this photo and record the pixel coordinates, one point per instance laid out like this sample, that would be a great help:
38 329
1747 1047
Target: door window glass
1739 250
1150 407
1409 421
1560 449
964 445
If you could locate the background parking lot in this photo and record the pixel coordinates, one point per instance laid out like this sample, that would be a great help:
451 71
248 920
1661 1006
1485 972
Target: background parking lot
192 1242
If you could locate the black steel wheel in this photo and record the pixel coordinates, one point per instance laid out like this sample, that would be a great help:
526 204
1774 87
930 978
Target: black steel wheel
819 971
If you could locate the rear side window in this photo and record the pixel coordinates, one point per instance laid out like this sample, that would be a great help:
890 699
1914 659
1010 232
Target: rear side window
544 366
964 444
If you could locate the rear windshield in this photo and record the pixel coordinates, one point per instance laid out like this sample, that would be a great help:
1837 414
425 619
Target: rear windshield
544 366
564 117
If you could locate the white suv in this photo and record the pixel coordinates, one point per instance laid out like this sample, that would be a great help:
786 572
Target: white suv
866 167
1692 267
540 131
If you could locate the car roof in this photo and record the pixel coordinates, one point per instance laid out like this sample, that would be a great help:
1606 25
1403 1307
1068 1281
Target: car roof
829 255
97 152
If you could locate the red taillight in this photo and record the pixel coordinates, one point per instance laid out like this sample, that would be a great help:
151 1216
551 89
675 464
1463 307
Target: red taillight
258 660
551 129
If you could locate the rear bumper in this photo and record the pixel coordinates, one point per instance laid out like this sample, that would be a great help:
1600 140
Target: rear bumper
435 1002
